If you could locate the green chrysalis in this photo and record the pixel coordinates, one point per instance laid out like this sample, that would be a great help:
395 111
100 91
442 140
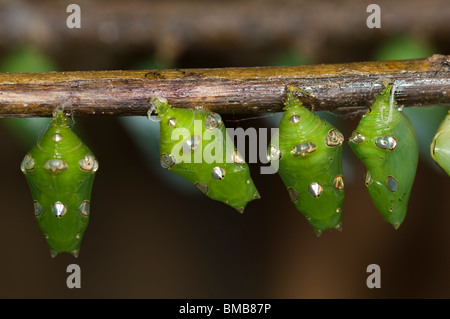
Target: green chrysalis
385 141
440 146
60 172
195 145
309 152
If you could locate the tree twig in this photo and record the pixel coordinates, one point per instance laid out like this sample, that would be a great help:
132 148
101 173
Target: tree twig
420 82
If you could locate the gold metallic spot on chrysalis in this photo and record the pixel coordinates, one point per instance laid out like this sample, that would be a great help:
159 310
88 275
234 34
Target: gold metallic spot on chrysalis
55 165
88 163
315 189
293 194
218 173
202 186
391 184
37 208
212 121
369 179
273 153
303 149
356 137
85 208
172 122
27 163
236 157
57 137
167 161
59 209
338 182
334 138
386 143
294 119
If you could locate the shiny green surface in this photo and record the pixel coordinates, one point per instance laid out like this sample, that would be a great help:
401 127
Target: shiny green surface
399 163
321 166
440 146
215 149
70 186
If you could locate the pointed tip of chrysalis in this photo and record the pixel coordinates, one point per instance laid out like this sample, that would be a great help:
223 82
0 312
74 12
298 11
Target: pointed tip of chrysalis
53 253
75 253
396 225
241 208
318 232
338 227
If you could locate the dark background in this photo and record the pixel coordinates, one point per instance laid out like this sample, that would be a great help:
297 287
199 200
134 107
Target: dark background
153 236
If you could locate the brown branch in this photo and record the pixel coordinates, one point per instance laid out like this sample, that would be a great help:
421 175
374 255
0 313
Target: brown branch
420 82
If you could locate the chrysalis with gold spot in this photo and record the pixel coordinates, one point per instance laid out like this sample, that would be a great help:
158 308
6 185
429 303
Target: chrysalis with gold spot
386 143
60 172
309 152
195 145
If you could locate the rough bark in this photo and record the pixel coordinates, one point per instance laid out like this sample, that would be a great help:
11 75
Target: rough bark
419 82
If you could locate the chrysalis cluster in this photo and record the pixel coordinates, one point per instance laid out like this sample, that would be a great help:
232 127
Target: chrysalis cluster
385 141
309 152
440 146
60 172
195 145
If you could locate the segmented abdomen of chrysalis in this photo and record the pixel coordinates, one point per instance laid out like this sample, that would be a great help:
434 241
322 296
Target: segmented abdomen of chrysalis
309 152
385 141
60 172
440 146
195 145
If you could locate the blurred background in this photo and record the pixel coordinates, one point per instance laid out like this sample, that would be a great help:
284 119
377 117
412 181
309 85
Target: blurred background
153 235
